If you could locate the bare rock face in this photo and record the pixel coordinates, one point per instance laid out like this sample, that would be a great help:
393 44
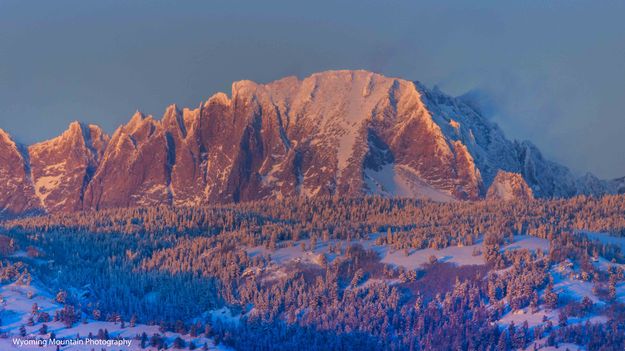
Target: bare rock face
509 186
320 135
346 133
62 167
17 195
187 171
135 168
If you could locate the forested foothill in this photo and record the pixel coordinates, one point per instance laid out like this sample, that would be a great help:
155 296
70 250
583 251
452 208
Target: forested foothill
338 273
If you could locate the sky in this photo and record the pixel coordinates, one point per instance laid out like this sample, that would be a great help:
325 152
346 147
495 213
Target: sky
552 72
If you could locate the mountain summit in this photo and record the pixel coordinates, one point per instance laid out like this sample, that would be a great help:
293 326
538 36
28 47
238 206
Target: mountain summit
347 133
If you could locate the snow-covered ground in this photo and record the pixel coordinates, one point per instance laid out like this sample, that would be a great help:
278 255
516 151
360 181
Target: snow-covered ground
416 259
531 243
607 239
17 302
569 286
401 180
460 255
567 281
533 319
561 347
295 253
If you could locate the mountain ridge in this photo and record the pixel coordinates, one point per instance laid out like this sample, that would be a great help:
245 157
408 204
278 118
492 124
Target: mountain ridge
343 133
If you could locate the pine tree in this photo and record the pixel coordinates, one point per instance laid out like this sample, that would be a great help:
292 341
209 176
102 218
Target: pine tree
503 344
612 285
156 341
144 340
520 336
179 343
61 296
551 298
358 275
35 309
562 319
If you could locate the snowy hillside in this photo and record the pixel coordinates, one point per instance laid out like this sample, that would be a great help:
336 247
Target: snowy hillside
325 273
28 323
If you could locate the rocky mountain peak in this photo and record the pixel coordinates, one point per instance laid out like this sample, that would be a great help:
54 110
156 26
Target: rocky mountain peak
5 138
345 133
218 98
61 167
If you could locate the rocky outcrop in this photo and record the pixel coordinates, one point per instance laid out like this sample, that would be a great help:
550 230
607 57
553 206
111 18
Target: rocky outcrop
509 186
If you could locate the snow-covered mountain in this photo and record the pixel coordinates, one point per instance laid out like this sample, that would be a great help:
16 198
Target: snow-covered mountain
619 185
337 132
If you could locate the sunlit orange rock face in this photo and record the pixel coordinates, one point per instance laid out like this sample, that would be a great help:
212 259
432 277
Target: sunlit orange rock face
509 186
347 133
16 191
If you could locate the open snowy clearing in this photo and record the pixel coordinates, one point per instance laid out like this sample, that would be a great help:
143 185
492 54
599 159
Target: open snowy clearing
416 259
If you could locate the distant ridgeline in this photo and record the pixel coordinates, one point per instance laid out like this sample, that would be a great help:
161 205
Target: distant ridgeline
345 133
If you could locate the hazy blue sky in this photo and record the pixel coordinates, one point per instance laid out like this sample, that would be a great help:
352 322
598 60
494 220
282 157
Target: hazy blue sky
554 70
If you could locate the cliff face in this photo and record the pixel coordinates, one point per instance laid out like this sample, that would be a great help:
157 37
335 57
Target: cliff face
339 132
17 194
62 167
